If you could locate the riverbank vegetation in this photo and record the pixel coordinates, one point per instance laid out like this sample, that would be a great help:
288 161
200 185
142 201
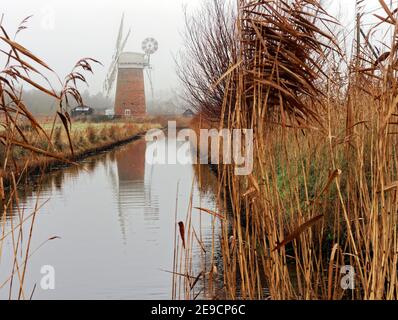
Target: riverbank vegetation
86 139
323 192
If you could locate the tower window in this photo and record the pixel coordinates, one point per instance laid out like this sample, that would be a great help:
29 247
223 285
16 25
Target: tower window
127 112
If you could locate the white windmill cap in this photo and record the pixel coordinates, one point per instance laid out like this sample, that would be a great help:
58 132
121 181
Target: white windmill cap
132 60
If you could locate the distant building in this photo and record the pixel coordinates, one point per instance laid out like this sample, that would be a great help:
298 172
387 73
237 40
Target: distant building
110 113
188 113
82 111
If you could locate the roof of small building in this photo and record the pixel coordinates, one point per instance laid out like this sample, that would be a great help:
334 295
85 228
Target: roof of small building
188 112
82 109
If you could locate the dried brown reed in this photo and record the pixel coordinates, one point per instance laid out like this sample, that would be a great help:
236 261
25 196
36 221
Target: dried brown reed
323 192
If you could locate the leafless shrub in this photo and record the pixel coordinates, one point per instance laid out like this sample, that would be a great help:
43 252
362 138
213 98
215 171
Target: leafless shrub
210 50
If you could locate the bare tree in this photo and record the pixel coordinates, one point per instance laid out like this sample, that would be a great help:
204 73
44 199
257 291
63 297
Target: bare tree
210 49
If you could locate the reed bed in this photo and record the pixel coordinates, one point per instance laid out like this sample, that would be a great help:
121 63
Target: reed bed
323 193
197 265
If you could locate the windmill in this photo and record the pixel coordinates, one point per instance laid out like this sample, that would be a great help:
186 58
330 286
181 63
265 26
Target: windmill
127 69
112 72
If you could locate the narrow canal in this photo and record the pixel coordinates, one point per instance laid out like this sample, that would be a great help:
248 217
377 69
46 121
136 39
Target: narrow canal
115 216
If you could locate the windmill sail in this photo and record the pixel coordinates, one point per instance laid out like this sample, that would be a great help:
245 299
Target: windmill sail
120 34
125 42
112 72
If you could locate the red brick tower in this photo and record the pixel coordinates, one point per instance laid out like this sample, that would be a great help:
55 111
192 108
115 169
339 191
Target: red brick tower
130 87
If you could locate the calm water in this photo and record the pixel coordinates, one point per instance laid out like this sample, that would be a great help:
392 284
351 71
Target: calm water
115 215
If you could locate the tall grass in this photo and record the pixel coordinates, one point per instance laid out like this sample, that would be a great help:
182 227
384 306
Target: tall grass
324 189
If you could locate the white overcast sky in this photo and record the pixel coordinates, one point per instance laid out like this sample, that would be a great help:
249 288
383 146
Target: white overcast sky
61 32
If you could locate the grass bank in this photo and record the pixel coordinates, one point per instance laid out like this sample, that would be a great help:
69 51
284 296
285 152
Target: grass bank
87 139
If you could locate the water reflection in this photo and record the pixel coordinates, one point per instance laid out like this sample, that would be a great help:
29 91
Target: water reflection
134 188
115 215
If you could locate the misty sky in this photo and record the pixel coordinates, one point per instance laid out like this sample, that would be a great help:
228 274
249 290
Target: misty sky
61 32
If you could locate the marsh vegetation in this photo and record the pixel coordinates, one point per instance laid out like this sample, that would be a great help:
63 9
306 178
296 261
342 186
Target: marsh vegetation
324 188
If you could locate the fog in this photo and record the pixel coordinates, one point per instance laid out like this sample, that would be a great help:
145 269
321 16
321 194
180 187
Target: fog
61 32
